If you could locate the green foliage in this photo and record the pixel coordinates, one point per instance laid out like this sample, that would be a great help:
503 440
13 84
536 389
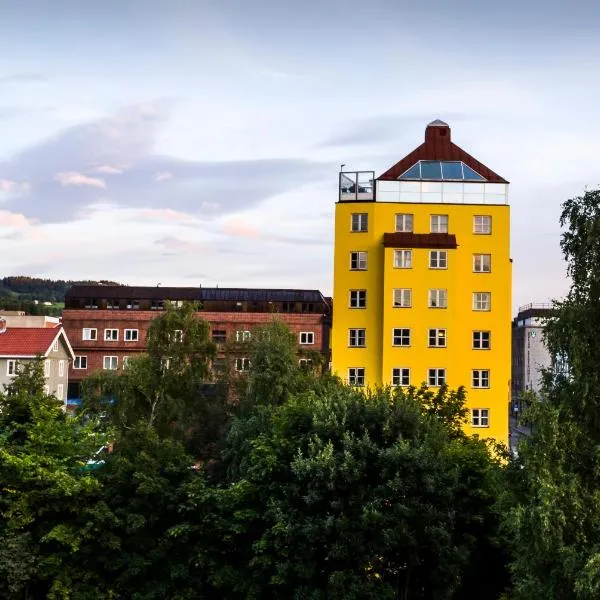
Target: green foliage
555 517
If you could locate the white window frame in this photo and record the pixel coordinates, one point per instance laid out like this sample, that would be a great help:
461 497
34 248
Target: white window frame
480 417
438 259
478 340
61 368
400 377
482 224
400 337
402 298
356 376
125 362
109 335
55 345
359 222
437 298
60 391
355 335
480 379
358 299
403 259
108 359
359 257
437 337
47 367
482 263
437 375
243 335
127 335
177 336
307 338
438 223
242 364
89 334
80 357
404 222
482 301
12 367
305 362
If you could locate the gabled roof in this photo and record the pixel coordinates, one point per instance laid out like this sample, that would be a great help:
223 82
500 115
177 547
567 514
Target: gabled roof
29 342
439 147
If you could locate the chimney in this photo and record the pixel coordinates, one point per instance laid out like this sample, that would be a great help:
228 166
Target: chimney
2 324
437 131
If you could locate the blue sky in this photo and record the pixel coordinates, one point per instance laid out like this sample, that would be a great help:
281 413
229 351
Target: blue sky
197 142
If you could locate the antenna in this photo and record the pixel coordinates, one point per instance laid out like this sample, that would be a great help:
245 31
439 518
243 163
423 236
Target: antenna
342 167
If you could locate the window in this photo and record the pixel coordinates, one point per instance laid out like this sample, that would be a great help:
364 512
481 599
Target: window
125 361
358 298
437 338
178 336
438 259
480 417
110 363
358 261
60 391
401 337
481 378
481 340
55 345
242 364
131 335
307 337
403 259
404 223
242 336
357 338
356 376
482 263
165 364
61 368
90 334
439 224
402 298
400 376
47 367
482 224
438 299
11 368
305 363
219 336
482 300
436 377
80 362
360 222
308 307
111 335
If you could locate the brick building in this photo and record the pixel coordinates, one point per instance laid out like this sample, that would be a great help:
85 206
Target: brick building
108 324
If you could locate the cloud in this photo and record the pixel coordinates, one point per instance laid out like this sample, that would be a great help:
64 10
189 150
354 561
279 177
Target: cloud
128 138
22 78
163 176
14 220
13 187
238 228
174 245
108 170
163 215
74 178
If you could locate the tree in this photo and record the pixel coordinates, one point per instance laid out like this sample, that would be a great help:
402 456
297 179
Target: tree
167 388
42 485
555 519
334 493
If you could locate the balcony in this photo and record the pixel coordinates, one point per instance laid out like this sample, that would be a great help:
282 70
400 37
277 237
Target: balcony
357 186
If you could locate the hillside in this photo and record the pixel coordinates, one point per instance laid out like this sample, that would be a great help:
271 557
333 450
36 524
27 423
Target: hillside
31 293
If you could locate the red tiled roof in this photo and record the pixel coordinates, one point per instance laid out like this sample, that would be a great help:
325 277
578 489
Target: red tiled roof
419 240
26 341
438 146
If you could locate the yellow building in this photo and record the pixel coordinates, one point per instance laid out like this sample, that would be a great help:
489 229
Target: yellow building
422 278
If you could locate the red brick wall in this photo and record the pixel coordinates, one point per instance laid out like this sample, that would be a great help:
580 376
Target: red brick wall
74 321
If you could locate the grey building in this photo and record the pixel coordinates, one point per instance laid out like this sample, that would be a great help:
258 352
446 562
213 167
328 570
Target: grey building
19 345
529 352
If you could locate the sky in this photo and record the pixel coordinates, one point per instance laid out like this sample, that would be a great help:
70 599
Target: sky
197 142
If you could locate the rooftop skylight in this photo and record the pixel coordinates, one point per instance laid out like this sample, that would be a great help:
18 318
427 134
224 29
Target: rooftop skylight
440 170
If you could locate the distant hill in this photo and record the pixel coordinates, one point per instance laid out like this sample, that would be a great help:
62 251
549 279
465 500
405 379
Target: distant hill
30 293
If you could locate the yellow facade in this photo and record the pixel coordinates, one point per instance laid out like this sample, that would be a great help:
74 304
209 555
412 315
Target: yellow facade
484 371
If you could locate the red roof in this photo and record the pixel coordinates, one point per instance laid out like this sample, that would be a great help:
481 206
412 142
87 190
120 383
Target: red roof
27 341
438 146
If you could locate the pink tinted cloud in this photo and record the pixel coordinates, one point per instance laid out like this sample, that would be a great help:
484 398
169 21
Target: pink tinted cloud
175 245
70 178
10 186
163 176
163 214
238 228
109 170
14 220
